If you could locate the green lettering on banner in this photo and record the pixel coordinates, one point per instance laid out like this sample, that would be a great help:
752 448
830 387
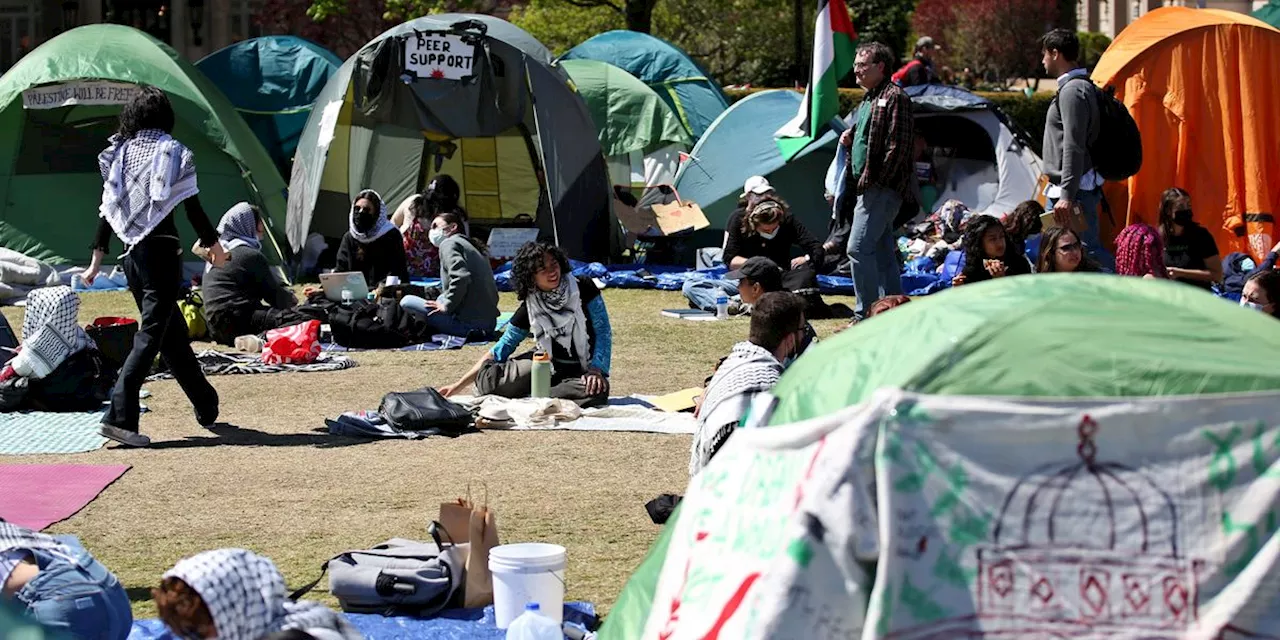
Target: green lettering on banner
1254 543
920 604
800 551
949 569
1222 476
1222 468
958 481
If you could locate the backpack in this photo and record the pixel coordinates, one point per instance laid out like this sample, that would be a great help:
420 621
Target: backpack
1117 152
900 75
397 577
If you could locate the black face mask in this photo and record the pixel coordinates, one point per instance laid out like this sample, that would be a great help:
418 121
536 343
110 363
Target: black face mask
1182 217
364 219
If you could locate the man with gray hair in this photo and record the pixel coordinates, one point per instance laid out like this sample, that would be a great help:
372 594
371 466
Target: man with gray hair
878 177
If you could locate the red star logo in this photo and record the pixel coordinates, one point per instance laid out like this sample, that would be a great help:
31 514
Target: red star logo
437 73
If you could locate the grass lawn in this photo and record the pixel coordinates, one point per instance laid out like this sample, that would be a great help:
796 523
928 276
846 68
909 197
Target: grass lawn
275 483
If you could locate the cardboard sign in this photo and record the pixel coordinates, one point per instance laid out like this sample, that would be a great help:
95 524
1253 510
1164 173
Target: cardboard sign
78 92
438 56
505 243
662 220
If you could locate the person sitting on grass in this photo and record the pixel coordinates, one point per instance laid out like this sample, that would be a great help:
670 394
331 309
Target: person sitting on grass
987 253
61 586
768 229
1190 252
567 319
1021 224
234 294
234 594
372 245
1061 251
1262 292
468 301
58 363
1140 252
753 367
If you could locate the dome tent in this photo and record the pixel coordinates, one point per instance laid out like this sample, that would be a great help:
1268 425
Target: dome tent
61 102
640 135
272 81
1177 71
1061 354
375 126
678 80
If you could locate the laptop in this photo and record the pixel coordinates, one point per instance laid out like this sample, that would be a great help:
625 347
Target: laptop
336 283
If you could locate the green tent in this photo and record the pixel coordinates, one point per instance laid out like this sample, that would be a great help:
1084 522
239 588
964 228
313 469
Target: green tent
59 105
1269 13
1046 336
640 135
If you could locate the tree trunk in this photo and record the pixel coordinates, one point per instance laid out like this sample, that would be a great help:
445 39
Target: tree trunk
640 15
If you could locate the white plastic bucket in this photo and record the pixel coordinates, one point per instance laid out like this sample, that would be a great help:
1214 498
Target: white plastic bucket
524 573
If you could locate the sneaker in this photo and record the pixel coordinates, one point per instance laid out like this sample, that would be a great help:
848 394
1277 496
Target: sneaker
124 437
249 344
208 417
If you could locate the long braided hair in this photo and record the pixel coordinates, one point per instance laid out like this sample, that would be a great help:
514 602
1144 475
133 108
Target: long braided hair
1140 251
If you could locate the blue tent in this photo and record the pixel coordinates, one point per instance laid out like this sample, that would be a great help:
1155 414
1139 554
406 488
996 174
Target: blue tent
740 144
682 83
272 82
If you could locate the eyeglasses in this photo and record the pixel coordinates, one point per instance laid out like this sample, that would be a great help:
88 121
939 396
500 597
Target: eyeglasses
1070 248
859 66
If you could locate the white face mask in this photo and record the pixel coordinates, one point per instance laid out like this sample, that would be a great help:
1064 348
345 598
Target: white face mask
768 236
1250 305
436 236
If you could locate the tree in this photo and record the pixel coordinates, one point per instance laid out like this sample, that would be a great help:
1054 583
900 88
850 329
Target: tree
998 38
885 21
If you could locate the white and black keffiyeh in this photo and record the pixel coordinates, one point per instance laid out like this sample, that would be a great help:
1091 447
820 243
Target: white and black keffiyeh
144 178
50 332
556 317
245 595
239 228
380 228
749 369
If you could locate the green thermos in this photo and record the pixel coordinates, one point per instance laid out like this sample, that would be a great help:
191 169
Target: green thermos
540 385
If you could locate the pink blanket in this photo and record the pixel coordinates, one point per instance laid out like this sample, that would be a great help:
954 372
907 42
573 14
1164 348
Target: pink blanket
38 495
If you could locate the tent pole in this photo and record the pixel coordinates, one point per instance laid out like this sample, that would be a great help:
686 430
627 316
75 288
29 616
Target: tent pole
545 183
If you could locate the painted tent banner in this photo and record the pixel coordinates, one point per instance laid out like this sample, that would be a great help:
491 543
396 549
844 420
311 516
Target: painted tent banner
1151 518
78 92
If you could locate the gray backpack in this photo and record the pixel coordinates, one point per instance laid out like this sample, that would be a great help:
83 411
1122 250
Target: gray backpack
397 577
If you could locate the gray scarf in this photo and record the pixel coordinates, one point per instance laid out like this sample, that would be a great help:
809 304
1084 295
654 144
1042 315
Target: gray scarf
556 318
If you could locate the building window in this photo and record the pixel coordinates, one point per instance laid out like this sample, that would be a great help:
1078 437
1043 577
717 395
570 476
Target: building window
19 32
242 19
152 16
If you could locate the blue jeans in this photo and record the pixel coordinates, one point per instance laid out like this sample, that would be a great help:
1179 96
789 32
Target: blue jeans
873 254
445 323
1090 201
78 597
702 294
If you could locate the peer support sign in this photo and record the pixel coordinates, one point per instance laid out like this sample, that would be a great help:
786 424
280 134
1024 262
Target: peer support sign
439 56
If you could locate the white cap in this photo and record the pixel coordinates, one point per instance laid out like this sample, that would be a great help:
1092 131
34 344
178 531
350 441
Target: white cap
756 185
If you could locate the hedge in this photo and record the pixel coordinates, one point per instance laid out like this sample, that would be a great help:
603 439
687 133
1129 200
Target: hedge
1029 113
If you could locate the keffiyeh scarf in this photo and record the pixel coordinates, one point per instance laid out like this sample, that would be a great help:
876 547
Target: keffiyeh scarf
380 228
749 369
50 332
245 594
144 178
556 318
239 228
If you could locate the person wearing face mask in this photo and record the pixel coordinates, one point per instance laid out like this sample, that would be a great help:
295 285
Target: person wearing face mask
243 297
1262 293
1190 252
753 367
767 229
468 301
372 245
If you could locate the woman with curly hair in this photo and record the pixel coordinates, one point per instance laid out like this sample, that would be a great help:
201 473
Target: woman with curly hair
1061 251
567 319
234 594
146 174
1140 252
987 252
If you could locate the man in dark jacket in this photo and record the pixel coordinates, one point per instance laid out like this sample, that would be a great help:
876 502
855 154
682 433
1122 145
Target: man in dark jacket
1072 124
920 69
880 174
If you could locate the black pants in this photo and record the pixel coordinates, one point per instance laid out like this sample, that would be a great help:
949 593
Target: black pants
154 270
226 326
513 379
803 281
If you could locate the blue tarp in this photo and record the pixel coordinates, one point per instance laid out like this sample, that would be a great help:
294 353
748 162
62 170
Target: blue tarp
460 624
677 79
272 81
741 144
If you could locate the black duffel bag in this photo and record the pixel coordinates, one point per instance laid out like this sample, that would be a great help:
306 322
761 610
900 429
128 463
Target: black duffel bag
425 410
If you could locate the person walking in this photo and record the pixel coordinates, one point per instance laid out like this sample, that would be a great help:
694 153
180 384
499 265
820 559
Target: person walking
146 174
1072 124
880 172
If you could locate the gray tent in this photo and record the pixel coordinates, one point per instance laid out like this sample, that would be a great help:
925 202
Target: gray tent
389 126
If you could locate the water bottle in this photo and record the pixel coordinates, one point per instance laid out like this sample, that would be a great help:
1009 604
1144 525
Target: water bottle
722 308
540 384
532 625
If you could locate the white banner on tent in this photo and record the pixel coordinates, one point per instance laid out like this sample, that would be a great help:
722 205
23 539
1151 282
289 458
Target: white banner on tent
438 56
78 92
991 518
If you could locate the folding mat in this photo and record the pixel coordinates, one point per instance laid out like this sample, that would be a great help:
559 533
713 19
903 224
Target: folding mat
38 495
40 432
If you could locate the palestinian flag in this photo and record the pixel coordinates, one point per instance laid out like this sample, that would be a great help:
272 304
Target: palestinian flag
834 45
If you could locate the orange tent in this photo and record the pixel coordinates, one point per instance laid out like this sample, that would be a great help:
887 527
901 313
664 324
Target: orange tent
1201 85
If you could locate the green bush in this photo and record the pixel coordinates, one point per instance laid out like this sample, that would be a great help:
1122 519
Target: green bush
1091 47
1028 113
